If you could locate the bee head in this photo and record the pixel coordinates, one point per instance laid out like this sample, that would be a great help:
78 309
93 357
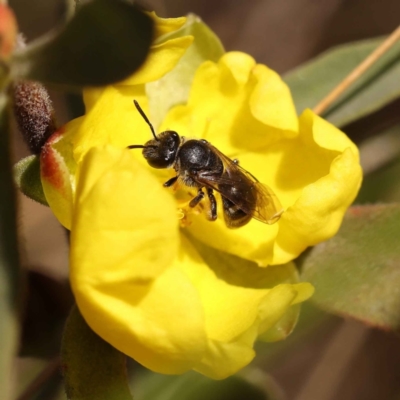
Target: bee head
161 152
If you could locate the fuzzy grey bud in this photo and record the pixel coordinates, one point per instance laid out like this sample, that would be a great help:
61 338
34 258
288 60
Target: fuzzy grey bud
34 113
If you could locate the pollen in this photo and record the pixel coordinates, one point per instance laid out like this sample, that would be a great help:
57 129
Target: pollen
185 212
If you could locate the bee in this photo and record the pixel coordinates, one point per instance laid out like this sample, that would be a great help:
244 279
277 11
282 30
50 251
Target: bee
198 164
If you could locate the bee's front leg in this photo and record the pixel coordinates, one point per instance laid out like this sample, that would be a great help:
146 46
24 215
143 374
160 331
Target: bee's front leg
196 200
171 181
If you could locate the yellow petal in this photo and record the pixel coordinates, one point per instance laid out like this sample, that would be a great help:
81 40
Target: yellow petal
113 119
161 59
318 212
166 25
237 65
224 359
130 218
284 327
324 134
236 105
240 301
57 170
90 96
271 101
254 241
124 240
149 322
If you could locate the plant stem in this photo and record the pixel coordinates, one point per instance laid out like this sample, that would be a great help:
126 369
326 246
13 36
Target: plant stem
357 72
335 362
10 276
48 372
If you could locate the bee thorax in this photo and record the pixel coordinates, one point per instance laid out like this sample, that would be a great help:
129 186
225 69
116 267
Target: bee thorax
187 180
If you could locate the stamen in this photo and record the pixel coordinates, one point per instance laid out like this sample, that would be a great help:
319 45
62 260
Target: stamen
184 212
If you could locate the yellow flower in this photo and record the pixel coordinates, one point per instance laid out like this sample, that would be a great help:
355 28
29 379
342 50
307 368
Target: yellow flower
176 298
168 301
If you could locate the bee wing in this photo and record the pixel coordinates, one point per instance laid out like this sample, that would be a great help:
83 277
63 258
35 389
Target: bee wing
267 208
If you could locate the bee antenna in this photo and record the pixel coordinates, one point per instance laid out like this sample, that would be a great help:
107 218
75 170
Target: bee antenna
141 112
140 146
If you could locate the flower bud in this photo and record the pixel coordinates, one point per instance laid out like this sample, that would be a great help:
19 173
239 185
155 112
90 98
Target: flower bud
34 113
8 31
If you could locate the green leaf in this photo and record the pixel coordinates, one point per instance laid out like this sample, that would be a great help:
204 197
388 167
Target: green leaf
380 150
193 386
104 42
27 178
380 161
381 186
174 87
356 273
9 259
380 85
92 368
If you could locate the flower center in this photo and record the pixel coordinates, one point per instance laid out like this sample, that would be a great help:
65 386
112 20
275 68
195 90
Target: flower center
183 196
184 213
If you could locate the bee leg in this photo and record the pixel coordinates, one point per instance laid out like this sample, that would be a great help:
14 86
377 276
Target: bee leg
171 181
213 204
196 200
